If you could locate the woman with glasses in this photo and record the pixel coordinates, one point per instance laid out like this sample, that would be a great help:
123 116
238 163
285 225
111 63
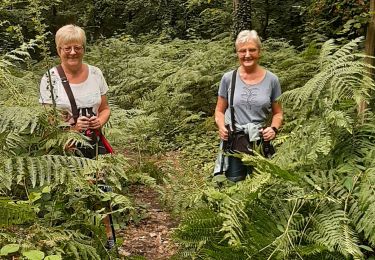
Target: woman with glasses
254 100
89 89
86 81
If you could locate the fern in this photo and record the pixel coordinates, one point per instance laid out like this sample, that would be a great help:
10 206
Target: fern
56 240
81 251
15 212
56 169
20 119
333 231
366 197
43 169
176 86
340 70
199 227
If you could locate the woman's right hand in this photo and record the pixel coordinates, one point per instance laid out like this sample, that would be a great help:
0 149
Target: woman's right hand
223 133
82 123
221 106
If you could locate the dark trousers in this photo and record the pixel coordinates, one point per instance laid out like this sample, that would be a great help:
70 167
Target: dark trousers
90 152
237 171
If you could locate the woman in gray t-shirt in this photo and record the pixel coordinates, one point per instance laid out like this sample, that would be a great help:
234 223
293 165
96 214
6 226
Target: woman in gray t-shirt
254 99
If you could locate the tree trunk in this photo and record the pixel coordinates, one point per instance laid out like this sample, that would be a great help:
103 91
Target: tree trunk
266 19
235 5
242 16
370 35
369 48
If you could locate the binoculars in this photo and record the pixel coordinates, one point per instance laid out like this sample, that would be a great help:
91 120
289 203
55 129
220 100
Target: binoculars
87 112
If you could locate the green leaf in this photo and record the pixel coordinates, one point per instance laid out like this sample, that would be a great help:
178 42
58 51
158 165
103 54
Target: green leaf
219 178
280 227
46 189
349 183
53 257
34 196
34 255
8 249
366 248
357 25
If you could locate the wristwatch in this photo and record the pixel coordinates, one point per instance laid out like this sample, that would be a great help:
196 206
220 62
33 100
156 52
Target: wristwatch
275 129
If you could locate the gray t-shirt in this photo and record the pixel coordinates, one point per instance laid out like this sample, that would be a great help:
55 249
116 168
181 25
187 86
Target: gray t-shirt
252 103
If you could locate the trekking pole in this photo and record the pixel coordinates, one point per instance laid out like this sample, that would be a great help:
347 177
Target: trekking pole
108 220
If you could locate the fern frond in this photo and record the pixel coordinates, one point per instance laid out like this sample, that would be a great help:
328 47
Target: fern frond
333 231
42 170
56 169
339 119
231 210
341 71
120 201
348 48
81 251
15 212
263 165
366 195
20 119
60 139
316 141
199 227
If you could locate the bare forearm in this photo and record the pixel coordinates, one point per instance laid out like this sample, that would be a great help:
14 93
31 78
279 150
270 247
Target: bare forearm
219 119
277 115
277 120
104 116
220 122
221 106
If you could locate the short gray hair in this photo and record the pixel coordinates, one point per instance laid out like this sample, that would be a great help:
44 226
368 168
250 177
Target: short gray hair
68 34
248 36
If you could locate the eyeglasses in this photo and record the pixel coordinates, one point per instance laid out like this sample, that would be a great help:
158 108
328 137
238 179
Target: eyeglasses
242 52
77 49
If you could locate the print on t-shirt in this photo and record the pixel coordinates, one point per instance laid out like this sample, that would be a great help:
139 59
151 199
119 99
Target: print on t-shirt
249 98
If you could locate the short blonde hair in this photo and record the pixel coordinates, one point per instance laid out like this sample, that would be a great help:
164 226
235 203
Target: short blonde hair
70 34
248 36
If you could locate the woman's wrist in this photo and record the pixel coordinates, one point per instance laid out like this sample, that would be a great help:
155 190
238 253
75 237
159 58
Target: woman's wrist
102 122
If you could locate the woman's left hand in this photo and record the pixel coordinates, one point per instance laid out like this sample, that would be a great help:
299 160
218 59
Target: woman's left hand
268 134
94 123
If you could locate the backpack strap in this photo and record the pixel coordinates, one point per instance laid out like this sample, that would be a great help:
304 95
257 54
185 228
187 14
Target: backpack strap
69 92
233 86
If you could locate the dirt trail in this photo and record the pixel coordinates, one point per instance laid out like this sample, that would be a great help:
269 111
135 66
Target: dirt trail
151 237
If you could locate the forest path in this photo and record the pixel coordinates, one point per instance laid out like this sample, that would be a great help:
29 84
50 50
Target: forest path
151 237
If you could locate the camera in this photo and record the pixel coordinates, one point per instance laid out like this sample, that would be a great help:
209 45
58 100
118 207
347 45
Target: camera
267 147
227 143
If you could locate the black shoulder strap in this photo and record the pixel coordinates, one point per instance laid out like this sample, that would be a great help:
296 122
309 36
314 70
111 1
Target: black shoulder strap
233 86
69 92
